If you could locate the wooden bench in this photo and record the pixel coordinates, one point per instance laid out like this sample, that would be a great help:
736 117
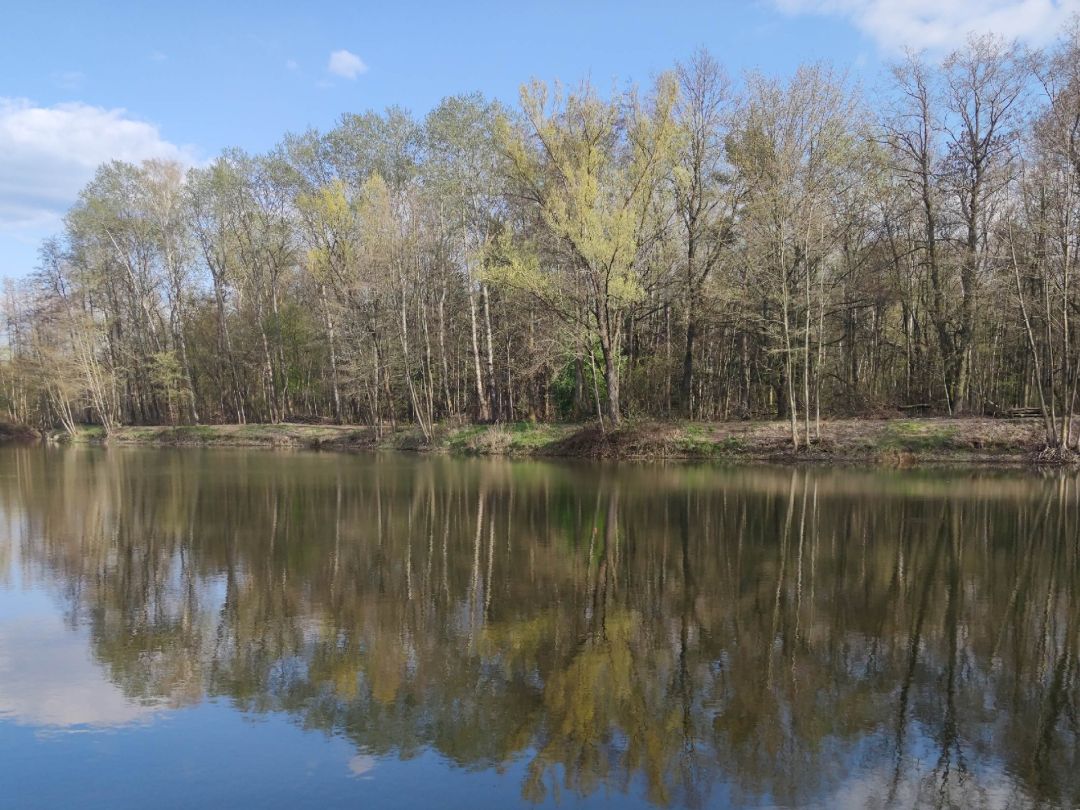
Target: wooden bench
1023 413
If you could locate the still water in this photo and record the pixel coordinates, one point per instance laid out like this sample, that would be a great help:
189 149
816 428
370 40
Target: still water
190 628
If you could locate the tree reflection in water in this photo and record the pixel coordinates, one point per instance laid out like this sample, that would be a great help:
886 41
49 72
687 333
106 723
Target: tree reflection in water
789 636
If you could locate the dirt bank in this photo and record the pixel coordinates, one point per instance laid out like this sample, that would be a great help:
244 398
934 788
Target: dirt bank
894 442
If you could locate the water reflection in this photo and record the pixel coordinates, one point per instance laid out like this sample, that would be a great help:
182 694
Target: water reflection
696 635
47 681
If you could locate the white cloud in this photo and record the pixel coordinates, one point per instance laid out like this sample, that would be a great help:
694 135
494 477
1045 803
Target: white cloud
48 680
346 64
362 764
47 154
291 64
942 24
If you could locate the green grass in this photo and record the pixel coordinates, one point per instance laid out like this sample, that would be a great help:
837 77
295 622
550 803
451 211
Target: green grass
694 440
198 432
516 438
462 439
731 444
917 437
532 436
89 433
694 445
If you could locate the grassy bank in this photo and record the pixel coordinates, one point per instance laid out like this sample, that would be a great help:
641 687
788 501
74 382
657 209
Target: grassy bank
895 442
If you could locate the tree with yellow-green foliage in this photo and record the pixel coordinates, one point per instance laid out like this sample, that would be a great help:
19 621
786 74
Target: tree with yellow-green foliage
591 169
761 248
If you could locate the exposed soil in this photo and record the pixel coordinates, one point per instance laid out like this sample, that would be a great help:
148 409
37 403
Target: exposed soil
893 442
17 433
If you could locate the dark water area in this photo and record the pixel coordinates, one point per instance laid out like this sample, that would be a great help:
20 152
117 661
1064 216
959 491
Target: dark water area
191 628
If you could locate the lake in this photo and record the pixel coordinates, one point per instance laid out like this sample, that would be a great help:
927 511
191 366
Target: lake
233 628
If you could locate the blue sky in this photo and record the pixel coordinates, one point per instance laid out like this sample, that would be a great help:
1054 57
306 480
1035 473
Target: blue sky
82 82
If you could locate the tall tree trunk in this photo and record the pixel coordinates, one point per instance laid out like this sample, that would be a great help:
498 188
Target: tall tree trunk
492 392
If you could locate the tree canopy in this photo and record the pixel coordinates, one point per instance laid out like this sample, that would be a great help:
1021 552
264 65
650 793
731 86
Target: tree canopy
701 247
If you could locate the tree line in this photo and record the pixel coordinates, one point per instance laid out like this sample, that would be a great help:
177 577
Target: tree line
701 248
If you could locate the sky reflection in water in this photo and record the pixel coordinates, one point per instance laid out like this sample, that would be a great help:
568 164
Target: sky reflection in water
243 628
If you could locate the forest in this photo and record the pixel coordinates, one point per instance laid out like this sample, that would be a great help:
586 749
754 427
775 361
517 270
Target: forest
701 247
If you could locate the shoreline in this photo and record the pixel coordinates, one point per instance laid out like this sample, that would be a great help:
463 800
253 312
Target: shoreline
889 442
